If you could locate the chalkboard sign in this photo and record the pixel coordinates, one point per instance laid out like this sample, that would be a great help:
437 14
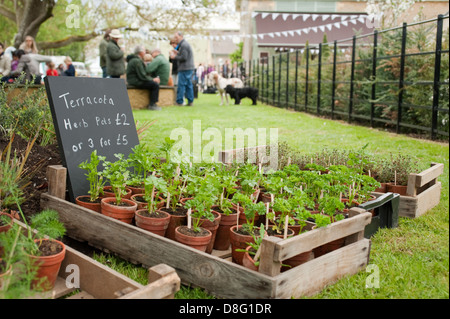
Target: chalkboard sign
89 114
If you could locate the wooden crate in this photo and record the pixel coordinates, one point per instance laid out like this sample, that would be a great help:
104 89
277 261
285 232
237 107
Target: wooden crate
215 272
423 192
97 281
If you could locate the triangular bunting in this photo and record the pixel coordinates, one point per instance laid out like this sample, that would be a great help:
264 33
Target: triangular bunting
305 16
285 16
275 15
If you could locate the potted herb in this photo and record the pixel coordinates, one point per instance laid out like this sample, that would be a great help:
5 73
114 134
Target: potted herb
201 206
241 235
150 218
118 207
96 183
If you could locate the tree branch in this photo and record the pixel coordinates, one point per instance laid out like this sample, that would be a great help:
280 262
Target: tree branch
47 14
7 13
75 38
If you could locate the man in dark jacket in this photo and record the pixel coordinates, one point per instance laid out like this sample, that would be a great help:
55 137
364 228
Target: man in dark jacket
185 59
115 64
137 77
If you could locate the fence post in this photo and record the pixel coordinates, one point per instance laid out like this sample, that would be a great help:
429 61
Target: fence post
258 74
352 79
319 78
279 80
307 78
437 76
267 80
273 79
287 80
296 79
374 76
333 88
401 78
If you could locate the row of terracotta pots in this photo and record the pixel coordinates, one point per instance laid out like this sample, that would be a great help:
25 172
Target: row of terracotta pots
392 188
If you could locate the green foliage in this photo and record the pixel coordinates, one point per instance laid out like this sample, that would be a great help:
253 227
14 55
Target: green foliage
236 56
94 177
117 174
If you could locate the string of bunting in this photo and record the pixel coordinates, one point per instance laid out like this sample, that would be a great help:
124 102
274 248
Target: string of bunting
336 21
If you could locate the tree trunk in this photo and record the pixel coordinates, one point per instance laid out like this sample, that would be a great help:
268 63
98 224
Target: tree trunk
30 15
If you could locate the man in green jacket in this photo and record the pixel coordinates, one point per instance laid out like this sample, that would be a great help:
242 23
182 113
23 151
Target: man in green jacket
137 77
159 67
102 48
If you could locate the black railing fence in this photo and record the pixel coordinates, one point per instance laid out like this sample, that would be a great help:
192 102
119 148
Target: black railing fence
396 78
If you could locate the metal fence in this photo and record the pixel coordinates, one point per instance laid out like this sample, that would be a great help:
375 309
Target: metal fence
396 78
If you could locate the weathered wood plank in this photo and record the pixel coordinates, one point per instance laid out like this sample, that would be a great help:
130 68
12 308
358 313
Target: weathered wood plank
313 276
429 174
164 287
220 277
307 241
57 175
92 273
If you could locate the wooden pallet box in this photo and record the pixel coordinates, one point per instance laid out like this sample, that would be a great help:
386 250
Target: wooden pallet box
81 277
423 192
215 272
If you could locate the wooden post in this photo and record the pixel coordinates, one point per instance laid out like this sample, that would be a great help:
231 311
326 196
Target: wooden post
160 271
268 265
56 175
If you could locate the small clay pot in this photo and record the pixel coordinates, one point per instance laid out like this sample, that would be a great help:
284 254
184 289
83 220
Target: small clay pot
124 213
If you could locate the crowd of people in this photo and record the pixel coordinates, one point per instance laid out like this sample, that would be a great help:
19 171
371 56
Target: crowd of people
144 68
26 60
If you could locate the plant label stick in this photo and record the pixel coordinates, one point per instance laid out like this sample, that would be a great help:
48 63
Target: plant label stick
237 215
267 215
286 221
189 218
168 200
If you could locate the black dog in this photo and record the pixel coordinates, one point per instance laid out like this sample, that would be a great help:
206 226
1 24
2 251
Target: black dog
239 93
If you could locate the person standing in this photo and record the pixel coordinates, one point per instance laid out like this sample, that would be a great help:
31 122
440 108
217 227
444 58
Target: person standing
200 76
226 69
137 77
115 63
70 69
185 59
102 48
174 45
29 45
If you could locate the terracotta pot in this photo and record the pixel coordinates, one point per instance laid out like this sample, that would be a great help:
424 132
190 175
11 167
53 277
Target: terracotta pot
238 241
136 190
48 267
298 260
156 225
223 232
107 192
197 242
399 189
382 188
212 226
84 201
328 247
123 213
264 197
175 221
248 261
5 228
141 204
296 228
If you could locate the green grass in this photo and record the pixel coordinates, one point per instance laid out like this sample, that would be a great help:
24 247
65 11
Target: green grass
412 259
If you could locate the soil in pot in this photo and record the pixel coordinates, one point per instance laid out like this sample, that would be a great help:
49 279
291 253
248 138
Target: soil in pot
123 212
239 239
85 201
198 240
222 241
155 222
177 218
52 253
107 192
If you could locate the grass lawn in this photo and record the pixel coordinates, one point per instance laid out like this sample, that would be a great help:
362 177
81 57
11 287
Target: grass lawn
412 260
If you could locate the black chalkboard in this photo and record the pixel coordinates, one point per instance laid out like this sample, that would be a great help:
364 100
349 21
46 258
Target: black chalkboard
89 114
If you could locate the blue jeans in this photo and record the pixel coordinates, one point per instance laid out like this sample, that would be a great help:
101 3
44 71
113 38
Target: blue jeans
185 86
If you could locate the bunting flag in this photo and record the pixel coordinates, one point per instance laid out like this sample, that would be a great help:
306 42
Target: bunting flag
335 21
